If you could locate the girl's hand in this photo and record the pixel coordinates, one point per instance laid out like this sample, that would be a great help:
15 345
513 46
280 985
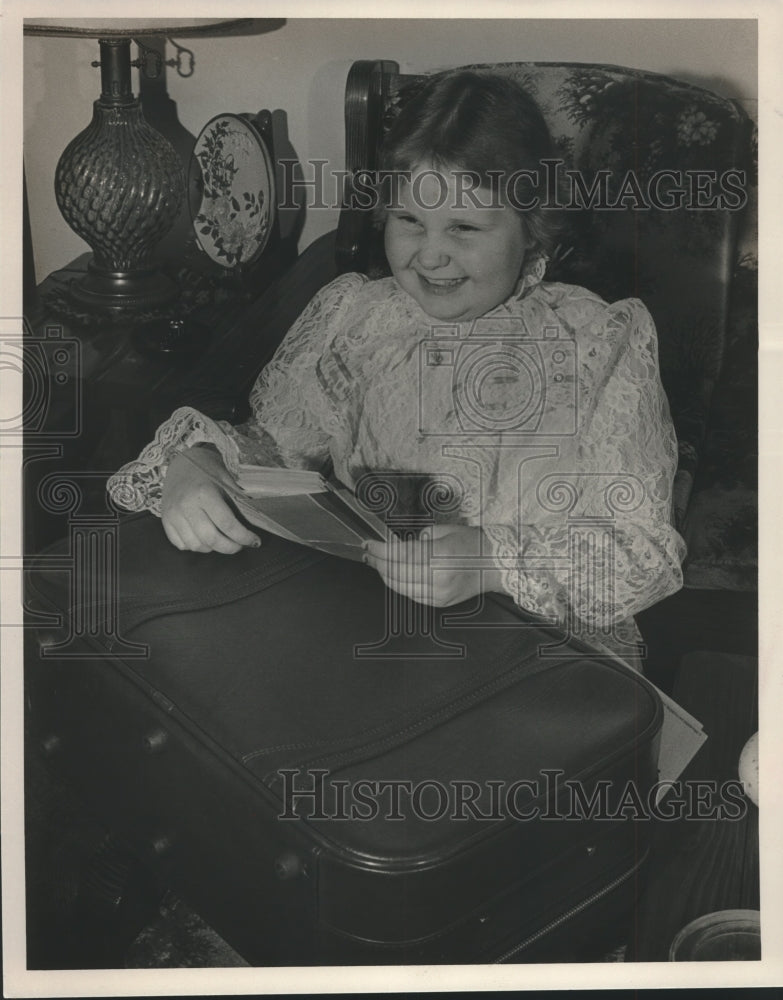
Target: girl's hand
405 566
194 512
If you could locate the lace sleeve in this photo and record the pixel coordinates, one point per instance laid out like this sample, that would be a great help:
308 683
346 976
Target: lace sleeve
593 543
286 426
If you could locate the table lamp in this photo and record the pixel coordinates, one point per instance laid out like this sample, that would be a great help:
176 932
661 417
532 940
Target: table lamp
120 184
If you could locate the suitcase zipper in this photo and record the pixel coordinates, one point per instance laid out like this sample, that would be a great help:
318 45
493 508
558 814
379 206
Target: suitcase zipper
574 911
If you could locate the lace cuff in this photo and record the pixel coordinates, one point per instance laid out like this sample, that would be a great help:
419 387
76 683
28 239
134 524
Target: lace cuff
138 485
606 587
533 591
539 591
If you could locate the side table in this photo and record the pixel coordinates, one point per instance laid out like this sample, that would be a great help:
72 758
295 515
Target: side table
104 398
699 866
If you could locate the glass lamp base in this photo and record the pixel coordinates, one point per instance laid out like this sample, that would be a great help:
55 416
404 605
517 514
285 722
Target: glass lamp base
115 291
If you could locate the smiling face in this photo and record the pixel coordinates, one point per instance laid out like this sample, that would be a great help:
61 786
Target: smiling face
457 259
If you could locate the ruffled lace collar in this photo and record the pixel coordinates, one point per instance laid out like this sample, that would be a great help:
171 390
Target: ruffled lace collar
533 271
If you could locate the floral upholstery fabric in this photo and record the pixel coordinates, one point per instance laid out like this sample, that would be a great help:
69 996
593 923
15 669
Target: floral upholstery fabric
685 264
721 525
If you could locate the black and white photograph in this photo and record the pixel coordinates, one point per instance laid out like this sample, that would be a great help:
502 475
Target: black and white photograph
380 460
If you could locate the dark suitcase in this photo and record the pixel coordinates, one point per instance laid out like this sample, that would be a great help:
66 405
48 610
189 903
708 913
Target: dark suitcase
330 774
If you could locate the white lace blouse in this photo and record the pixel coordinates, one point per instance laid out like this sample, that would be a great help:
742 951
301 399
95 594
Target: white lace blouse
548 412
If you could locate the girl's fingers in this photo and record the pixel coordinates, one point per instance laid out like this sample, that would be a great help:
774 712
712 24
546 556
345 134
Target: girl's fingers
404 575
173 535
210 538
212 528
414 589
405 568
190 539
214 541
441 530
411 551
195 513
228 525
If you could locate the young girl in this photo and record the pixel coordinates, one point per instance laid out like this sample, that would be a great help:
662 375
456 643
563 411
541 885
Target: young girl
540 400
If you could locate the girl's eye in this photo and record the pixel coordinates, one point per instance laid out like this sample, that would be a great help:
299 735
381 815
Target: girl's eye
465 228
407 220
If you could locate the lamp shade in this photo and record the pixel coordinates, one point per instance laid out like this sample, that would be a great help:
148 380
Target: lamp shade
134 27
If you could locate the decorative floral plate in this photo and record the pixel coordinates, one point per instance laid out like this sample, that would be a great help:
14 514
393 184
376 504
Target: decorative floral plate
232 191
